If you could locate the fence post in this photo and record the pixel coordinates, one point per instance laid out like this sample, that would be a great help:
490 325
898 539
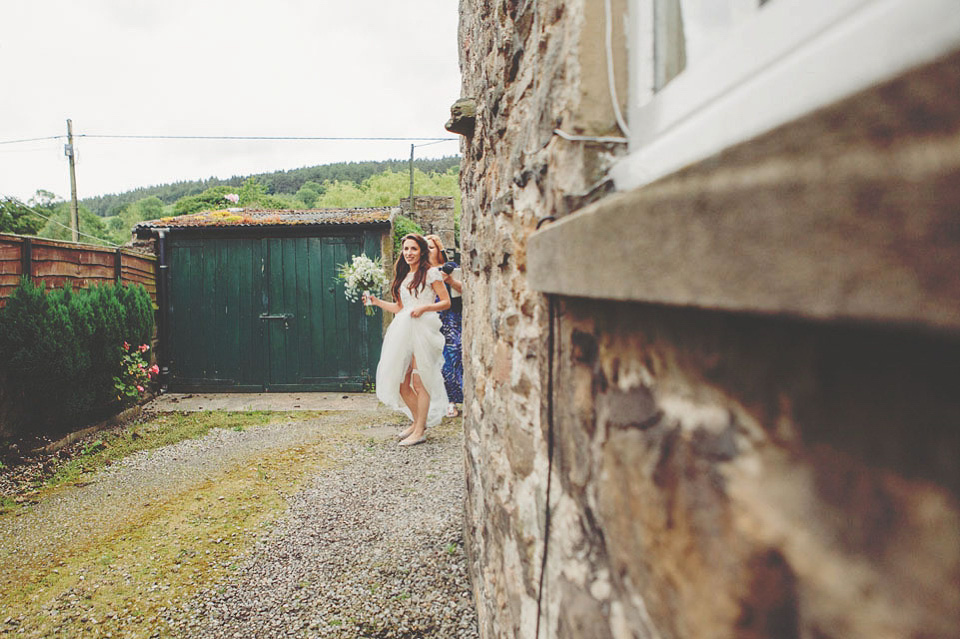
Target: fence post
118 266
26 258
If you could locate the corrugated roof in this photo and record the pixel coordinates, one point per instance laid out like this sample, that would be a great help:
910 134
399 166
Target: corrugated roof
282 217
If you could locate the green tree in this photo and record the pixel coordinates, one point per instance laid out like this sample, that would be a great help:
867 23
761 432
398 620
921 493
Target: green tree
310 192
127 216
149 208
116 225
338 195
17 218
253 195
213 199
389 187
58 227
116 210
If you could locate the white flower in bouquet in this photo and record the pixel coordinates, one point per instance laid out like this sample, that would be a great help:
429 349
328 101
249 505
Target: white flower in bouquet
362 274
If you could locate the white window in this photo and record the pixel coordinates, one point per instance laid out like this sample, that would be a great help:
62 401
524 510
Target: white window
707 74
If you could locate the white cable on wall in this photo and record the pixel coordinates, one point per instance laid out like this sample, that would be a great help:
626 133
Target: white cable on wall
611 85
611 78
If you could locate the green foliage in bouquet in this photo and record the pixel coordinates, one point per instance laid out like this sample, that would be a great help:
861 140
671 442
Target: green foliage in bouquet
362 274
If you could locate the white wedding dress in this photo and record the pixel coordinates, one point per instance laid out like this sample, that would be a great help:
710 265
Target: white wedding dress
408 337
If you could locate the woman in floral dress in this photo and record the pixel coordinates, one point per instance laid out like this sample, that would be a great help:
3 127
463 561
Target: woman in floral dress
451 326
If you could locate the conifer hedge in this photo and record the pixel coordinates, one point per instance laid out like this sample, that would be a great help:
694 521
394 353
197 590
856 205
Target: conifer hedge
59 351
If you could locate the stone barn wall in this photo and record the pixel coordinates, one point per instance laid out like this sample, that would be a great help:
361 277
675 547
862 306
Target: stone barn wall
434 214
703 458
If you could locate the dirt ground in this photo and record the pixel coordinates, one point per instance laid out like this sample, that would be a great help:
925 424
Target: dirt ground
26 461
153 543
263 401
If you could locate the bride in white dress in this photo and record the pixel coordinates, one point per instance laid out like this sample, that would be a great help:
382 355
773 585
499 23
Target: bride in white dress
410 372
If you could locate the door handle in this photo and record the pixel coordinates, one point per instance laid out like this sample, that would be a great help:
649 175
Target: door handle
286 317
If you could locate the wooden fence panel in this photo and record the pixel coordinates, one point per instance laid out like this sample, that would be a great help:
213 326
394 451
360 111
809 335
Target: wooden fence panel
56 263
10 252
11 264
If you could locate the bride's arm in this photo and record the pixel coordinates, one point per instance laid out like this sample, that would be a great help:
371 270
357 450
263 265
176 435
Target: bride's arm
390 307
441 305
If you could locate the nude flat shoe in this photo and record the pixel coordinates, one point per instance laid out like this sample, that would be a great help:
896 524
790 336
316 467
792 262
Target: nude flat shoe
414 442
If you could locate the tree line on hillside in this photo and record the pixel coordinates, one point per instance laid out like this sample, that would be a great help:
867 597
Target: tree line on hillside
278 182
380 189
48 216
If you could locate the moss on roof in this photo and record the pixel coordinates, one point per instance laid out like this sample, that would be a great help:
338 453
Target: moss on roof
283 217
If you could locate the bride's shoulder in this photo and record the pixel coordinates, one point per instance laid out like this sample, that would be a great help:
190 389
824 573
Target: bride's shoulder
433 274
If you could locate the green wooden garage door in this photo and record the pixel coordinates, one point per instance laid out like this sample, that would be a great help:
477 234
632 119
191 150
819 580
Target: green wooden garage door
268 314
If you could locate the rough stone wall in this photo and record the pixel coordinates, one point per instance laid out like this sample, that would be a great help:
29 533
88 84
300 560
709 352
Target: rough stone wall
709 474
522 63
434 214
735 476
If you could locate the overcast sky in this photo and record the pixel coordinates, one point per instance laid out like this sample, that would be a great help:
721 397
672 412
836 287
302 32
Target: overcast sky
345 68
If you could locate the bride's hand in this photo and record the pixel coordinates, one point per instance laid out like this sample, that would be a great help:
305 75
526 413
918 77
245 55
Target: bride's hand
416 312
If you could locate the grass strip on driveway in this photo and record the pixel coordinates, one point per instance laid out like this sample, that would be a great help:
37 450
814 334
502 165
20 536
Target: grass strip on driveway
165 429
120 580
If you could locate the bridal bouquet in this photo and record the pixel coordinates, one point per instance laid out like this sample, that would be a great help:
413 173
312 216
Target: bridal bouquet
362 275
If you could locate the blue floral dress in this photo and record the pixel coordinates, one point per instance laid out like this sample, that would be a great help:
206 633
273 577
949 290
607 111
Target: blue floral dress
450 327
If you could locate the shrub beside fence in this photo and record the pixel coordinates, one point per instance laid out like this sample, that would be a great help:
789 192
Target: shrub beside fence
60 351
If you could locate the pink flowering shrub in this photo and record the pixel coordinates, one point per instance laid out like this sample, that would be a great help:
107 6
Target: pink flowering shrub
134 375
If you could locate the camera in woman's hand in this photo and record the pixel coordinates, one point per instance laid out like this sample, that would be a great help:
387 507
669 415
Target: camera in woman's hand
448 267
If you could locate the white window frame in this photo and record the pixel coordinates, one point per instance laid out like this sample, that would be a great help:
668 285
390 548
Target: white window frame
791 58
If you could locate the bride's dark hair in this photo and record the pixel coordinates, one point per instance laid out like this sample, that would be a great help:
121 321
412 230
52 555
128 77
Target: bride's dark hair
401 268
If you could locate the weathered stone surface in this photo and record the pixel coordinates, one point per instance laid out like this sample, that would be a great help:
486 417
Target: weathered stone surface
687 472
463 114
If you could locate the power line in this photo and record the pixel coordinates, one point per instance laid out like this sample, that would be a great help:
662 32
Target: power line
260 137
238 137
49 137
439 140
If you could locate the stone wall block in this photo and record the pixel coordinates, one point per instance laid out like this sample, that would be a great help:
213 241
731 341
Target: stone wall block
434 214
582 615
520 451
770 605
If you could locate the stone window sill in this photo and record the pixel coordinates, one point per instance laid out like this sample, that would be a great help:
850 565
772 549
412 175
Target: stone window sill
851 213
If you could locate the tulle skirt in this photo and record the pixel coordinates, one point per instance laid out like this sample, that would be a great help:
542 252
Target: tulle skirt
408 337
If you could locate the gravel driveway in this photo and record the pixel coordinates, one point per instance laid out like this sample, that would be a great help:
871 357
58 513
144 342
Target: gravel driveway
371 546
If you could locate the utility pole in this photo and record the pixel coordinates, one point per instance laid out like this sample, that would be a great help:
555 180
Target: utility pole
74 211
411 179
